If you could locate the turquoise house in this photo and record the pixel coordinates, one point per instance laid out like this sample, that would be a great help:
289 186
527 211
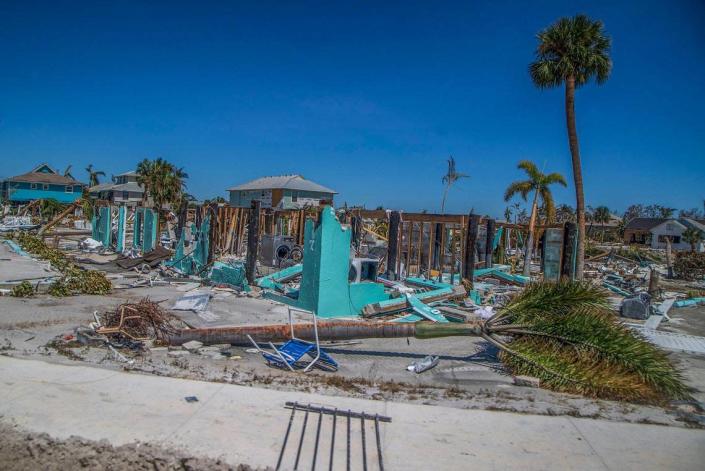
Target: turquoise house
43 182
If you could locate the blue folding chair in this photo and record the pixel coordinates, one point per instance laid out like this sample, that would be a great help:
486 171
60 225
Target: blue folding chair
292 353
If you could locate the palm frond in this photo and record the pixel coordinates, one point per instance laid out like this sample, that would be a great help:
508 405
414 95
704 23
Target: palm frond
566 334
519 187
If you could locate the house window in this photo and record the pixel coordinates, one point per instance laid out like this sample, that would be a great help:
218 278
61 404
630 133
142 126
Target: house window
294 196
45 186
670 227
33 186
69 189
125 195
674 239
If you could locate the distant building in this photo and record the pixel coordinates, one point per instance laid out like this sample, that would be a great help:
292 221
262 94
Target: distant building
43 182
123 190
282 192
654 231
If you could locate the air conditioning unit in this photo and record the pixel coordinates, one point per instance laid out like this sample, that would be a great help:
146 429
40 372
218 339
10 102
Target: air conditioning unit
274 249
363 269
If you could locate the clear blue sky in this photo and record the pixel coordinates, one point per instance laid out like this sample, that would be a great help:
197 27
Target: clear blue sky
366 97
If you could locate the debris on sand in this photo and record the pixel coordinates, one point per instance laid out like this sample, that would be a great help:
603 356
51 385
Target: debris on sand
141 321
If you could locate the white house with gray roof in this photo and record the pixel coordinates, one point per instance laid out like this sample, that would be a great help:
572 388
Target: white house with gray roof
124 189
281 192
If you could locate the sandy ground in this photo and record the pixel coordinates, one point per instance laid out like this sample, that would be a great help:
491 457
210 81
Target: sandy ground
469 375
22 450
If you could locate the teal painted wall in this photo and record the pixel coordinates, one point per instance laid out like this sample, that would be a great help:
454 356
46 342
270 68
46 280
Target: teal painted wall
325 288
22 191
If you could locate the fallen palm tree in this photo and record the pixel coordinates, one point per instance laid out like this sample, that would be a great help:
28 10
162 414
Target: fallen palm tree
563 333
74 279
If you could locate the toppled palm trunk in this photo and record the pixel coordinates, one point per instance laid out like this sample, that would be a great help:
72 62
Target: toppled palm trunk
145 320
563 333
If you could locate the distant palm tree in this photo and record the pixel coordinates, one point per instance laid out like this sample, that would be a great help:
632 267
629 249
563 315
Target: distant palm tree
602 216
538 182
666 212
564 213
693 237
571 52
161 181
93 175
507 214
449 178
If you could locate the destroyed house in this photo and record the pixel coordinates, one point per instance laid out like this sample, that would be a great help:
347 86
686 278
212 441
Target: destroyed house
123 190
655 232
281 192
43 182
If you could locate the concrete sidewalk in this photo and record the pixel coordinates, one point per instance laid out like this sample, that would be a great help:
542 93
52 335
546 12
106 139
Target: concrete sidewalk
247 425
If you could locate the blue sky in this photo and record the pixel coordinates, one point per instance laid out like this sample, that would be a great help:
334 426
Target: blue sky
369 98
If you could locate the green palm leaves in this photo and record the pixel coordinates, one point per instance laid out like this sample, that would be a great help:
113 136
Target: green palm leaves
539 182
571 47
566 334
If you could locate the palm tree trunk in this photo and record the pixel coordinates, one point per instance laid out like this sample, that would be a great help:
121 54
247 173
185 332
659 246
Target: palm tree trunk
577 174
530 241
443 203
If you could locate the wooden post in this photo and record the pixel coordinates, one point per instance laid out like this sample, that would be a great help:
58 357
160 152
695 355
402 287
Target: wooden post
212 228
252 242
437 246
653 283
570 234
488 243
470 244
393 244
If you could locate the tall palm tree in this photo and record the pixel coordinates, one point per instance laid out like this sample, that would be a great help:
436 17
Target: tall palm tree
602 216
93 175
537 182
570 53
161 181
449 178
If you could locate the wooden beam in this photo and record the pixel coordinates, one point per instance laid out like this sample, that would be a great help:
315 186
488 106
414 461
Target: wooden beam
252 242
393 245
488 243
470 244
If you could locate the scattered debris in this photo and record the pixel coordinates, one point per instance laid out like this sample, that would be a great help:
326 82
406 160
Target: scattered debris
425 364
527 381
144 320
23 290
192 302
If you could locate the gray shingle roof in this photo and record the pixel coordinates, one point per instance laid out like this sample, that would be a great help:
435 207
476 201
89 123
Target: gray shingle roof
645 224
287 182
129 186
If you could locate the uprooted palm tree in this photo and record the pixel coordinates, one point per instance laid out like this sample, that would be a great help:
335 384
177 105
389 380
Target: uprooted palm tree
563 333
93 175
571 52
451 176
163 182
693 237
539 183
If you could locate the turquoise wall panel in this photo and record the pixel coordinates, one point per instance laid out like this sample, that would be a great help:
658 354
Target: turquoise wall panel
121 229
29 195
149 235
